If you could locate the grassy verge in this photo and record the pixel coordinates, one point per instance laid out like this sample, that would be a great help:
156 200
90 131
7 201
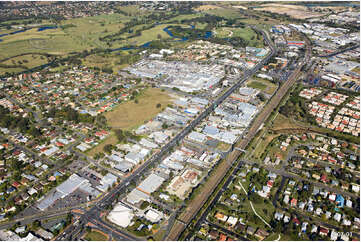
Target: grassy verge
95 236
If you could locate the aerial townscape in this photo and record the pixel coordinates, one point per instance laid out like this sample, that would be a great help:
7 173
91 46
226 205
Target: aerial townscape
189 120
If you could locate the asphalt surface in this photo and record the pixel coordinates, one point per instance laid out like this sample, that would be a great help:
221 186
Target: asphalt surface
340 51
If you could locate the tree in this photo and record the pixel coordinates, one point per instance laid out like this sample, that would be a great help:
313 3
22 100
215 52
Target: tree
254 197
158 105
164 126
144 205
108 148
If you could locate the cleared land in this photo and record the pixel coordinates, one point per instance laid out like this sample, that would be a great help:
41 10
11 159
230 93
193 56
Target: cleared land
282 122
109 60
110 140
220 11
129 115
356 69
207 7
263 85
257 85
131 10
295 11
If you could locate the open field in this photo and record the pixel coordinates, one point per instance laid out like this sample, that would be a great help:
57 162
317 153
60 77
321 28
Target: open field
10 70
152 34
110 140
95 236
207 7
56 42
24 62
87 31
295 11
282 122
185 16
130 114
263 85
356 69
246 33
132 10
104 60
80 34
257 85
240 7
219 11
261 144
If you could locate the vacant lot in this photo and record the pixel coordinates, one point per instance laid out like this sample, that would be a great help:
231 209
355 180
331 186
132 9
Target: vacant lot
282 122
295 11
130 114
263 85
227 12
257 85
261 145
95 236
356 69
110 140
131 10
207 7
